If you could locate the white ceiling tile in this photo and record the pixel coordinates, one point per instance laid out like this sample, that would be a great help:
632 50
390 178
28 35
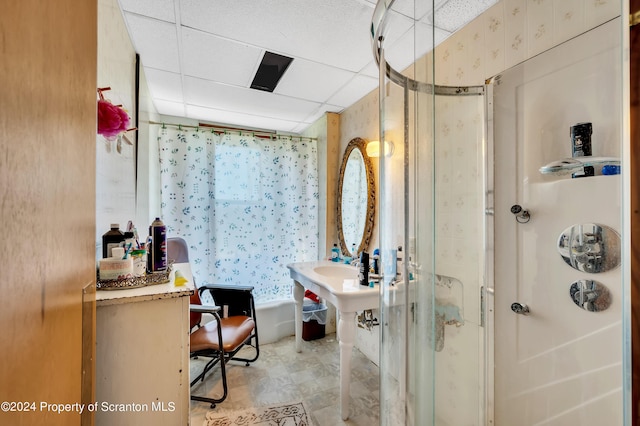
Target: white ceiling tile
330 32
176 109
164 85
321 111
159 9
300 128
156 41
371 69
412 9
256 102
397 26
400 54
310 80
454 14
332 108
355 90
214 58
239 119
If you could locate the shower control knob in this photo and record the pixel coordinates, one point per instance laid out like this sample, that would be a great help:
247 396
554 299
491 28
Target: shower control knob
522 216
519 308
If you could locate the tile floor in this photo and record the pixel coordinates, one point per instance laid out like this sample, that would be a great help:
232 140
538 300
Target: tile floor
282 375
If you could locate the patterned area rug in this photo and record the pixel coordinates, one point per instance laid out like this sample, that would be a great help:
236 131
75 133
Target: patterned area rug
290 414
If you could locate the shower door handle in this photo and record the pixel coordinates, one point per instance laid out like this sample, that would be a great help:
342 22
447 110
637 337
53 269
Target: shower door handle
519 308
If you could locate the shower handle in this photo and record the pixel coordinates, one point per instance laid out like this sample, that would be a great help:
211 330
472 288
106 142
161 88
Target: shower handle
519 308
522 216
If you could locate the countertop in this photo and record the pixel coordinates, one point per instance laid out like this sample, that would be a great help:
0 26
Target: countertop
151 292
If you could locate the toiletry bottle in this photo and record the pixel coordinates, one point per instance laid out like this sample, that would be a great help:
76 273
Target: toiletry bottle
129 238
158 233
112 238
149 247
354 251
363 275
376 264
581 146
391 266
335 253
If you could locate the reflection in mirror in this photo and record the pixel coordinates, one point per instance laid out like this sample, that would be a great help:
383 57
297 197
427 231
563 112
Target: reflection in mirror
356 198
590 247
590 295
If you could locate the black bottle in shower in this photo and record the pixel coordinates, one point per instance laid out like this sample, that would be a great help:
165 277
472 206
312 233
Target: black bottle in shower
581 146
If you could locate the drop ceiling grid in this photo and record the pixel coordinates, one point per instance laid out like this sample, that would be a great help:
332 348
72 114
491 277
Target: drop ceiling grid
357 88
213 58
210 94
164 85
231 117
163 10
205 53
170 108
156 40
313 81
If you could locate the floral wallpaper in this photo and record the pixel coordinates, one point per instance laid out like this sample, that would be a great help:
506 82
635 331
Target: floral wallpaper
247 206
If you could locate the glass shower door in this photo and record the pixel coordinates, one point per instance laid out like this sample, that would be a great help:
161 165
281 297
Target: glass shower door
431 237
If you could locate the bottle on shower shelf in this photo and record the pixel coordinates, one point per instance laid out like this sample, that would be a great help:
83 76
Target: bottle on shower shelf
581 146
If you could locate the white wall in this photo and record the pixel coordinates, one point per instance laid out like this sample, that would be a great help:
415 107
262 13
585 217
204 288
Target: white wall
115 160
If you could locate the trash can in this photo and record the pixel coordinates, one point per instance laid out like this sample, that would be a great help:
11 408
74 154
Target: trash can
314 317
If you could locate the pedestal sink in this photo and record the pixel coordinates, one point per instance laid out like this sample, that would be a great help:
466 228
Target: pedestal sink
338 284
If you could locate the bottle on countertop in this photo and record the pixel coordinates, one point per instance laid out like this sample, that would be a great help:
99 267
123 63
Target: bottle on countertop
129 238
158 233
354 250
376 264
335 253
112 238
363 275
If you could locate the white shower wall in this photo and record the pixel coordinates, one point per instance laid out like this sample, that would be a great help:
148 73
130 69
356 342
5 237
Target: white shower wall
560 364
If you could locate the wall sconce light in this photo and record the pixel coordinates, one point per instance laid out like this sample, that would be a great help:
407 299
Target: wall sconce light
373 149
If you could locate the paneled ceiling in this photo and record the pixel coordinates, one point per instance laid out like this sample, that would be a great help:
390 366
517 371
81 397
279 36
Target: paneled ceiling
200 56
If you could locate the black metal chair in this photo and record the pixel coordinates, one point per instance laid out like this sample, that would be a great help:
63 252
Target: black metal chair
233 328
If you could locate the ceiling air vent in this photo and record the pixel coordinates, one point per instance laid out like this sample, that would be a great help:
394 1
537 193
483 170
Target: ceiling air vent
270 71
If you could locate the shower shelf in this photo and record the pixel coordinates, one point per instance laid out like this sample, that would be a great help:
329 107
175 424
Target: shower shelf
569 165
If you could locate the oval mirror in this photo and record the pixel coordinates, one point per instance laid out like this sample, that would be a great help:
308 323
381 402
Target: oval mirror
590 295
590 247
356 198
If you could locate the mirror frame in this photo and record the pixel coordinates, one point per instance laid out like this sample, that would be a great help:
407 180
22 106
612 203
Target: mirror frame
359 144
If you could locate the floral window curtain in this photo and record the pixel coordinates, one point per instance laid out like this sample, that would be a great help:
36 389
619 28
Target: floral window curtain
246 206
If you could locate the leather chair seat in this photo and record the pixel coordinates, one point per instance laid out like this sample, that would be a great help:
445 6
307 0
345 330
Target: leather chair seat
235 330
